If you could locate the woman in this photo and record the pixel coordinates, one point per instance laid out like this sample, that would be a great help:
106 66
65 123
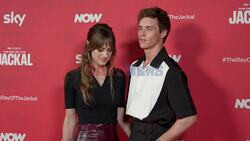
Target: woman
95 91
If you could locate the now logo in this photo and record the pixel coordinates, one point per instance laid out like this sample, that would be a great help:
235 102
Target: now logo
87 18
242 104
175 57
12 137
13 18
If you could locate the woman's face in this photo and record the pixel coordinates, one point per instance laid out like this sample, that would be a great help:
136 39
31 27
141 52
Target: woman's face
101 56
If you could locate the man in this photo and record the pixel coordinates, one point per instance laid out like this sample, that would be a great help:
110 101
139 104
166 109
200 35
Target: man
159 99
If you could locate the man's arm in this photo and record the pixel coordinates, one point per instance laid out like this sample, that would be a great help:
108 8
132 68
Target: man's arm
179 127
120 118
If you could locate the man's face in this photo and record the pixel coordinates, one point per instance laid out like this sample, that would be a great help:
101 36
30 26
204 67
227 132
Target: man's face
149 33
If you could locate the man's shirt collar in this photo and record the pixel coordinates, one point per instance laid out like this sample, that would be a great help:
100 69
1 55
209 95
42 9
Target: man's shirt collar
156 62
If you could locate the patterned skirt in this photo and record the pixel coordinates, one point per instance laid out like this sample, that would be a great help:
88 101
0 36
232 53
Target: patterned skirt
95 132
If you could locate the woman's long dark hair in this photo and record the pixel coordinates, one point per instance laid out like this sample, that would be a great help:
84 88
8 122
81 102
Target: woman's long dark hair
100 34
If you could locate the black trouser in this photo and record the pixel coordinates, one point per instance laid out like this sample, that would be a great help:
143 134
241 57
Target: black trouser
141 131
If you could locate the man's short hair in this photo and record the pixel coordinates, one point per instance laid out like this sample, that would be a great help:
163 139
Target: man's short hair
161 16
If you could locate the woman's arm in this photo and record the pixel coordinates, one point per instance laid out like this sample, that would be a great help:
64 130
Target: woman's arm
120 118
69 124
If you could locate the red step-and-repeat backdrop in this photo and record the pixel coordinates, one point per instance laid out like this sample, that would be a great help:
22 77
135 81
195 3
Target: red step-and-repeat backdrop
41 40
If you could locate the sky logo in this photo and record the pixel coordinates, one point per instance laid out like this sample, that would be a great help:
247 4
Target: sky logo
13 18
